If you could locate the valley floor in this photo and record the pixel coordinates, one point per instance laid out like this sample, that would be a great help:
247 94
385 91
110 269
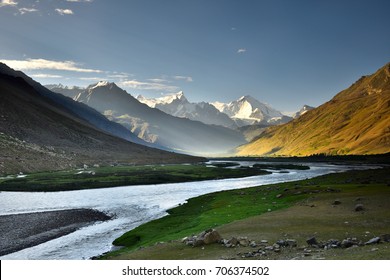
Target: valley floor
297 210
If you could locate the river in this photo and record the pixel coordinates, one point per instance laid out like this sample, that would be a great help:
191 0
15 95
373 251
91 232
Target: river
130 205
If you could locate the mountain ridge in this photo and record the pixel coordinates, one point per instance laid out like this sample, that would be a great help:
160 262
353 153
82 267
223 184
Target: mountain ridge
39 134
354 121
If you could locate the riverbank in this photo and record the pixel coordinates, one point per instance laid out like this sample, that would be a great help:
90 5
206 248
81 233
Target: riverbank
115 176
295 210
21 231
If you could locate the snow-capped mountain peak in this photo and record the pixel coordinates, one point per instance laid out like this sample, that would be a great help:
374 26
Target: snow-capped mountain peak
247 110
101 84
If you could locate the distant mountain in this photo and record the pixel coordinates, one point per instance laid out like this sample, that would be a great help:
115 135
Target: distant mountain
248 111
70 92
304 110
38 131
177 105
83 111
355 121
155 126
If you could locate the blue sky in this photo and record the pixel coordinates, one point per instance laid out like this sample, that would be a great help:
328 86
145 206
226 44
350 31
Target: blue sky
285 53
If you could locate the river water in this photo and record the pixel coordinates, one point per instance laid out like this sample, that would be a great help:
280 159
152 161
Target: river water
131 206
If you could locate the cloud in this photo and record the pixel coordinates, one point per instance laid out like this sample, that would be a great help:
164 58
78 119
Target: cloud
158 80
63 12
79 1
241 50
92 79
183 78
148 86
5 3
39 64
23 11
46 76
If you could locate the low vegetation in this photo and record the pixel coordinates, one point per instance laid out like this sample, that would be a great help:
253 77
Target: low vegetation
103 177
294 210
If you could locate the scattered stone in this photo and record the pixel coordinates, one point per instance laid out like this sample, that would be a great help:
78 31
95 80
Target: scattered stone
374 240
346 243
279 195
312 241
374 249
291 242
209 236
253 244
269 248
264 241
277 250
336 202
243 241
385 237
359 207
234 241
281 243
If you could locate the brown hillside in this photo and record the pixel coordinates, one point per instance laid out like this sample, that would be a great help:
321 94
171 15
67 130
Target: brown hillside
355 121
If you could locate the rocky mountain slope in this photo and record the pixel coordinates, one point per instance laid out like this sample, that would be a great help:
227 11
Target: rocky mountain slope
177 105
355 121
155 126
39 133
248 111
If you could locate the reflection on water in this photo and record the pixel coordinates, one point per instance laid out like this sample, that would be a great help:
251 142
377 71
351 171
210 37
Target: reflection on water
131 206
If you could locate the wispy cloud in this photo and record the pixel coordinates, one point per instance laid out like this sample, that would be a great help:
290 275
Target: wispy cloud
241 50
63 12
39 64
183 78
46 76
134 84
92 79
11 3
23 11
158 80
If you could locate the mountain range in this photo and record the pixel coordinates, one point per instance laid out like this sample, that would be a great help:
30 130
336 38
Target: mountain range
42 130
155 126
355 121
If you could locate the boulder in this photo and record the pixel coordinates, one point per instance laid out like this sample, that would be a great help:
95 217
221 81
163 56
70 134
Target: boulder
291 243
312 241
374 240
385 237
359 207
211 237
336 202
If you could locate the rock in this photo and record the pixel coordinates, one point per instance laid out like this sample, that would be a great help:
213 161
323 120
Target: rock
233 241
336 202
211 237
206 237
269 248
385 237
243 241
253 244
281 243
264 241
312 241
291 242
346 243
359 207
279 195
374 240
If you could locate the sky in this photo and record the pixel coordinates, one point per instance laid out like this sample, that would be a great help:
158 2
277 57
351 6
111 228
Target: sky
282 52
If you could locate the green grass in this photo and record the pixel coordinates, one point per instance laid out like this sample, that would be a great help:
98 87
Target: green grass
217 210
102 177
